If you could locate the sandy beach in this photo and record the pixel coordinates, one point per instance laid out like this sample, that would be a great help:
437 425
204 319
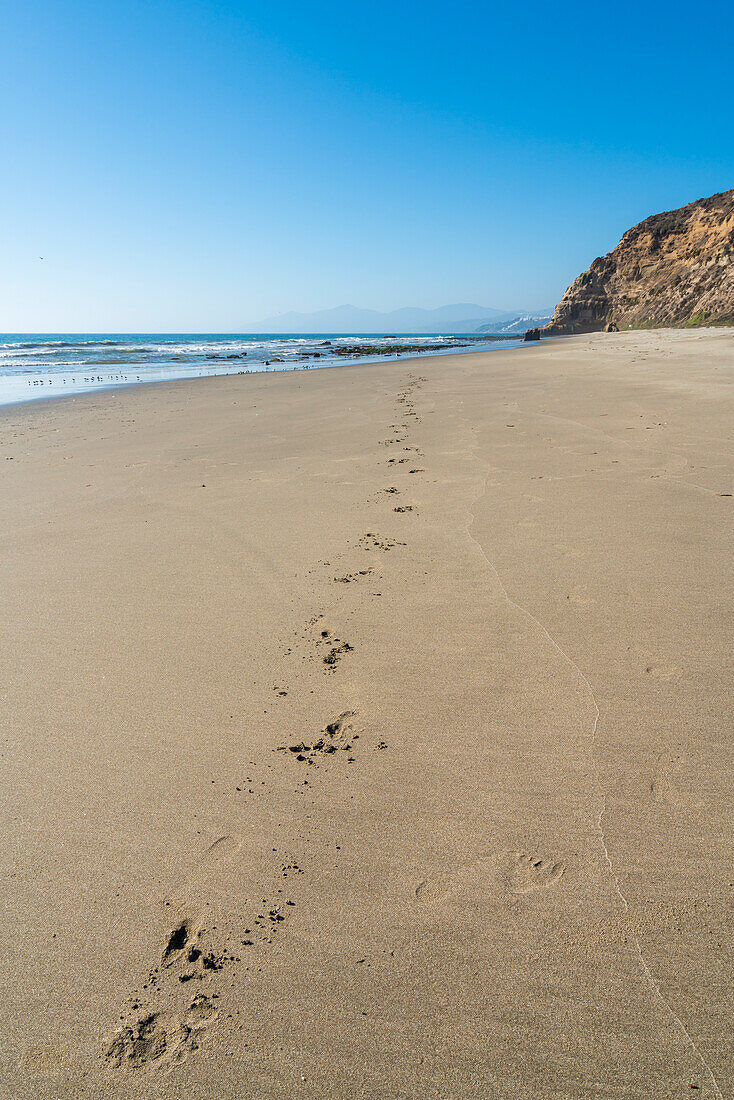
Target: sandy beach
366 732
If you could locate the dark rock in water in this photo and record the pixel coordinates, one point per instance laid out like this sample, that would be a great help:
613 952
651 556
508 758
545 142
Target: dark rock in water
612 327
325 344
532 334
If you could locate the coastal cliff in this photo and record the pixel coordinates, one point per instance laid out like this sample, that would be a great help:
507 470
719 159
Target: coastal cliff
672 269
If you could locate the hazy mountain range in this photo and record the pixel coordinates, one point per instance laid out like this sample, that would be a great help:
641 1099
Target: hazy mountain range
463 317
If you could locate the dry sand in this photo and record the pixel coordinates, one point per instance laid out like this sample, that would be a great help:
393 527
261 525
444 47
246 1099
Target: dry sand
487 599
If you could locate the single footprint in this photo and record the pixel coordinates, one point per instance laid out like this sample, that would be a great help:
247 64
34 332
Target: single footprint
651 666
471 879
333 657
531 872
347 578
579 596
334 736
203 875
665 786
664 672
157 1040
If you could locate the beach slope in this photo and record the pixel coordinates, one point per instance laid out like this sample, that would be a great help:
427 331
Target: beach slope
367 731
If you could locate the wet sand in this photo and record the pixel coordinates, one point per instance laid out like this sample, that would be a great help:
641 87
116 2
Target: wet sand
366 732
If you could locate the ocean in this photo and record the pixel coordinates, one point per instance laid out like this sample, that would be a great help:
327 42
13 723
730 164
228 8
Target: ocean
34 365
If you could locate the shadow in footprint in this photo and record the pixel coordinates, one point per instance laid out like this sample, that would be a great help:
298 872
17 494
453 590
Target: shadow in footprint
221 851
183 936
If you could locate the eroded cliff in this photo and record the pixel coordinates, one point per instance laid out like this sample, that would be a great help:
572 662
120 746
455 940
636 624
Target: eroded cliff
675 268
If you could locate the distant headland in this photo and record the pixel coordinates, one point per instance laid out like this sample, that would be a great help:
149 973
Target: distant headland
461 317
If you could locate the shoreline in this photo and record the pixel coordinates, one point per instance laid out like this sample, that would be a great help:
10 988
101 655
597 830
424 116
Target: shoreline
202 367
37 402
388 707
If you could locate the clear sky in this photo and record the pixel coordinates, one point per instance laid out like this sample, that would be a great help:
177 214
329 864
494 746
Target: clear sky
195 166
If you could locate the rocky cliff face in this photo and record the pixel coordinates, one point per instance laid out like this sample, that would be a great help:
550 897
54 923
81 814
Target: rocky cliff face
672 269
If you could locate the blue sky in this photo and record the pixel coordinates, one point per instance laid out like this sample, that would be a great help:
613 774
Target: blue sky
196 166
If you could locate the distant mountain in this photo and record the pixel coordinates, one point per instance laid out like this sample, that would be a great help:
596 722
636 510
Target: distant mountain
517 325
344 319
672 269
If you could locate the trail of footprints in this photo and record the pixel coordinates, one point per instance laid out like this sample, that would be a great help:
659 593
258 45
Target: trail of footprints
167 1018
183 993
179 1000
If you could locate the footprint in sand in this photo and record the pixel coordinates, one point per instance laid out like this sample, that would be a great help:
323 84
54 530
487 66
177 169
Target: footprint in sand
518 871
476 877
531 872
157 1040
665 785
335 736
370 541
347 578
664 672
656 669
204 870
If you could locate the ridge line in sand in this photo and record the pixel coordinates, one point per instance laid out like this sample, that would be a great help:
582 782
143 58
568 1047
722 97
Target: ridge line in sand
599 824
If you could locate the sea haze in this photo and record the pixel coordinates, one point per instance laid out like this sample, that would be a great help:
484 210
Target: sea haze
34 365
461 317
